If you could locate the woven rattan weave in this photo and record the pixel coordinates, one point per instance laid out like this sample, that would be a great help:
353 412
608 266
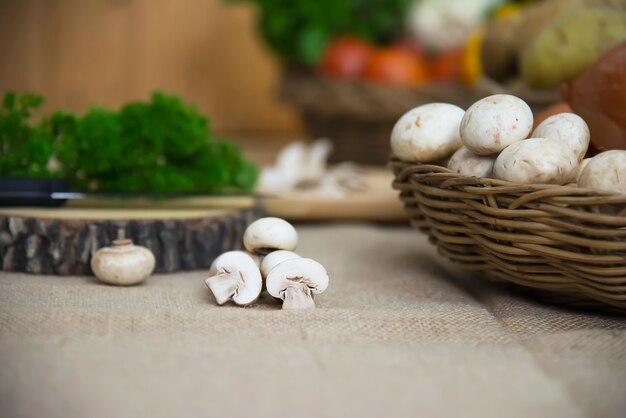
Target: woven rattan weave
568 242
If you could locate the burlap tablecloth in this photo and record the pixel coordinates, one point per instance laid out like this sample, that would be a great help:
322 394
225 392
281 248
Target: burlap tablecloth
400 332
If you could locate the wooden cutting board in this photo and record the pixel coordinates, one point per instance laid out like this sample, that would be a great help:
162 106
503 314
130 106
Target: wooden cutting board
378 203
183 234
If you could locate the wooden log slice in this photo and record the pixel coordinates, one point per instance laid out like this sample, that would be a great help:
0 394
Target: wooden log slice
183 234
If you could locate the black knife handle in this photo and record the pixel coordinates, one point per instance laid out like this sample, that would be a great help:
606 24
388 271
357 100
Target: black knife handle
31 191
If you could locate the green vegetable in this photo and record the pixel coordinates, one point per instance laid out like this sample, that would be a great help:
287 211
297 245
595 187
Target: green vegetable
159 146
25 147
299 30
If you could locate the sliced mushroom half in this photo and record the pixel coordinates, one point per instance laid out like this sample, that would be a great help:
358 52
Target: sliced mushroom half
296 282
235 276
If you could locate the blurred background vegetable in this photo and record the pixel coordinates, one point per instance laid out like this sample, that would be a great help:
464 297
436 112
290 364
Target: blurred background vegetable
549 42
298 31
440 25
346 57
395 66
599 96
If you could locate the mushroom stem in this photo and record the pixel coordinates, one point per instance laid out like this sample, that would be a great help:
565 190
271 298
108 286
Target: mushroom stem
298 297
224 285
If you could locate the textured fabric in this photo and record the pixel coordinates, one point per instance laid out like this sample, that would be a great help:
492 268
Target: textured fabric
399 332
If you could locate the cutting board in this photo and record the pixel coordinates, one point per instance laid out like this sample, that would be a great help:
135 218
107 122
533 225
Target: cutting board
183 233
379 202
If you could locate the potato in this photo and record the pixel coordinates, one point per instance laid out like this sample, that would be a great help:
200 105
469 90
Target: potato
540 15
568 128
498 47
565 49
605 171
466 163
537 161
495 122
427 133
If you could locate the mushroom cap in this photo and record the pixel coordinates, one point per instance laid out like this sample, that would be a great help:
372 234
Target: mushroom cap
495 122
606 171
297 271
229 255
466 163
267 234
537 160
581 168
427 133
250 284
123 263
567 127
272 259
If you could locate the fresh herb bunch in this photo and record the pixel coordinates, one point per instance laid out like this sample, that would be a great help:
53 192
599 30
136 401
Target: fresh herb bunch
299 30
163 145
25 146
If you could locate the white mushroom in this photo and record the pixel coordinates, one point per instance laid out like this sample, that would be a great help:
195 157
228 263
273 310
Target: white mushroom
466 163
269 234
567 127
495 122
581 167
537 160
605 171
296 281
272 259
235 276
427 133
349 176
297 164
317 159
291 163
123 263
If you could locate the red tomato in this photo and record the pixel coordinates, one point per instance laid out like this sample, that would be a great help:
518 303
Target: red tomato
395 66
411 46
445 66
345 57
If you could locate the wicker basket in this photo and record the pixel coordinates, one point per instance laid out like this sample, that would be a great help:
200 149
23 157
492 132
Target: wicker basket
358 116
569 243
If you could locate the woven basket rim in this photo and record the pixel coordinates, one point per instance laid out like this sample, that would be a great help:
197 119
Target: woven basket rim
412 167
364 99
483 84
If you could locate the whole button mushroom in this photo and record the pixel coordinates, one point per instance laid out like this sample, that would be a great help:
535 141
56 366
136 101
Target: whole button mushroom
427 133
235 276
296 281
581 167
123 263
538 161
568 128
466 163
495 122
269 234
605 171
272 259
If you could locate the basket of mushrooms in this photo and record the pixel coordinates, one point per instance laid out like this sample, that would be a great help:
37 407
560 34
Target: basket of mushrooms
517 204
